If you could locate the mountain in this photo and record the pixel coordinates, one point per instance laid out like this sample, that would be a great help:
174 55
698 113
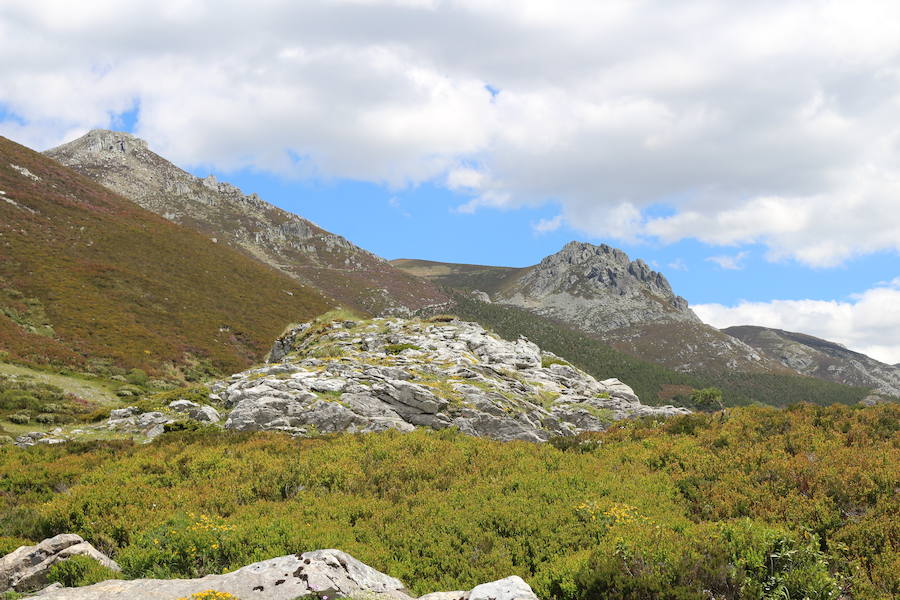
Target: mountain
653 383
820 358
602 292
88 278
345 272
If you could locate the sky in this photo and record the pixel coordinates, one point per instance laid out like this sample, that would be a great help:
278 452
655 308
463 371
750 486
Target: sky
749 151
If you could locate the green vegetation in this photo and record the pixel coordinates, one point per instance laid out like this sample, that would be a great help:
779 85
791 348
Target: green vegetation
23 401
747 503
80 570
398 348
89 274
650 381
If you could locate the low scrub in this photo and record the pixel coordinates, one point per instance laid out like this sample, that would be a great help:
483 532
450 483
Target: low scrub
747 503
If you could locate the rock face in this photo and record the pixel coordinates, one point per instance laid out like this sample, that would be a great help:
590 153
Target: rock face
26 569
219 210
399 374
319 574
820 358
601 291
599 285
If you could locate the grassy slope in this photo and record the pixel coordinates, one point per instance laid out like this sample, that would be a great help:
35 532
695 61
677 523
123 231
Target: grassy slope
87 274
716 502
653 383
463 277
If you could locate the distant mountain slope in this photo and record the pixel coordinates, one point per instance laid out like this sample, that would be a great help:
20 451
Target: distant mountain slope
820 358
654 384
599 290
347 273
88 275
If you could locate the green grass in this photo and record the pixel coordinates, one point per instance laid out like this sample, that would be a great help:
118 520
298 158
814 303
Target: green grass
89 388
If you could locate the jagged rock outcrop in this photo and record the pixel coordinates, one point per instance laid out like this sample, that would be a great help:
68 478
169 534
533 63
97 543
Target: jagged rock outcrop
221 211
820 358
399 374
320 574
599 285
26 568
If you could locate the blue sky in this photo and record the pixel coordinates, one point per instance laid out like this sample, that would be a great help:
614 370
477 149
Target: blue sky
747 150
424 222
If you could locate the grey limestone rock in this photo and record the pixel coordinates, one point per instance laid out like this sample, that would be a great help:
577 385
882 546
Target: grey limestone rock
26 568
405 373
319 574
199 412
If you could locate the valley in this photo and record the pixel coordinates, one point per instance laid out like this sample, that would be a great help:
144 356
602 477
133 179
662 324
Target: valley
194 381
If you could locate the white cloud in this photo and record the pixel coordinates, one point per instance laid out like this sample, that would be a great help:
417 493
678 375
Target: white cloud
768 122
868 323
548 225
731 262
678 265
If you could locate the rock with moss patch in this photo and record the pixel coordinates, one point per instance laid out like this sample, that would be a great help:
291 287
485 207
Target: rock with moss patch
404 373
26 569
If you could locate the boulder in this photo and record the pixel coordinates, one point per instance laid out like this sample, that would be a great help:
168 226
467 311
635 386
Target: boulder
26 568
198 412
319 574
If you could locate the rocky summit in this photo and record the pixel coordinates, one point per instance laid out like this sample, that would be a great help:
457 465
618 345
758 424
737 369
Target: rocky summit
222 212
358 376
599 284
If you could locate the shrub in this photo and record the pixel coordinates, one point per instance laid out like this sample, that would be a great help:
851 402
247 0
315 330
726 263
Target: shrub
548 360
211 595
137 377
45 418
708 399
442 319
78 571
327 351
19 418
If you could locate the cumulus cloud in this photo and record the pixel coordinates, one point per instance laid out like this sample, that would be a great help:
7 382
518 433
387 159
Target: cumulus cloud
731 262
548 225
678 265
768 122
869 322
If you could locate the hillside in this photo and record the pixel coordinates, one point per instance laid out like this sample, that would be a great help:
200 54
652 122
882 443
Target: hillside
820 358
653 383
341 270
89 278
599 290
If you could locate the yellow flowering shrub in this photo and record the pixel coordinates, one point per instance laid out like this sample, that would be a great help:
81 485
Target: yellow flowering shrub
211 595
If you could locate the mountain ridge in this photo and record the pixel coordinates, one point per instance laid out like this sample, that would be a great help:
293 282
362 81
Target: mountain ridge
87 275
281 239
600 290
817 357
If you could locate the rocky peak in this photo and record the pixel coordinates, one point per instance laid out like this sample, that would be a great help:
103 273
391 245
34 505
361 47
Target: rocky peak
598 286
609 267
105 142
